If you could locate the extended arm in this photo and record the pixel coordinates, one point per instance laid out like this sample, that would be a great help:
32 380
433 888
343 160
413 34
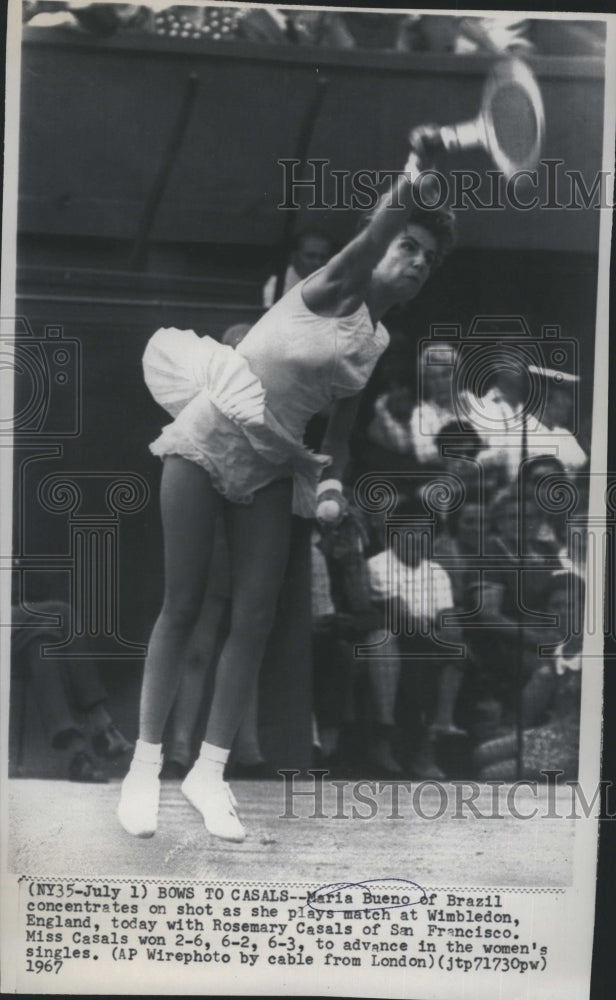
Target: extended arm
339 288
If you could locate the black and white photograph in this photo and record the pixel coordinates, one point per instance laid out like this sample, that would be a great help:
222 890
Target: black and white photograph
305 508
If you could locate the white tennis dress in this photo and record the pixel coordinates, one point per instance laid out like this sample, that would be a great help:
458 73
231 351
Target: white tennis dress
241 414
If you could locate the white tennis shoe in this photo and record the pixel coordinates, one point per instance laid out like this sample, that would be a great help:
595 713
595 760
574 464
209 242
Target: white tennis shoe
139 797
216 803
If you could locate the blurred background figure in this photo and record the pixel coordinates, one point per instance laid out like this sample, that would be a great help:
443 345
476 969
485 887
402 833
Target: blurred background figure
311 250
410 427
503 416
69 693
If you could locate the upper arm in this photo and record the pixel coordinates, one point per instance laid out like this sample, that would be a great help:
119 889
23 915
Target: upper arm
339 288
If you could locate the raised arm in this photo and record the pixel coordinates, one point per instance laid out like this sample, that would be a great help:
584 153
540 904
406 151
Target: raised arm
339 288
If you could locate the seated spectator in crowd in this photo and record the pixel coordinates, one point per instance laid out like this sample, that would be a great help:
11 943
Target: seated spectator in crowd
458 445
410 427
389 428
503 417
216 23
532 525
69 693
265 24
466 35
103 19
509 624
359 30
407 586
551 739
509 34
373 30
543 476
561 406
319 28
460 539
311 251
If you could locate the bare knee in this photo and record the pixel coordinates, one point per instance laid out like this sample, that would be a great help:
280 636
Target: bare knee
180 613
196 660
253 623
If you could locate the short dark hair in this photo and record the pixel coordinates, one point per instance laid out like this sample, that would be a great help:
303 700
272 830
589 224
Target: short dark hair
440 222
467 441
318 234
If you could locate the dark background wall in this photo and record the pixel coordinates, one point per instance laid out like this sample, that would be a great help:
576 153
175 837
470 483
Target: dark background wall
97 117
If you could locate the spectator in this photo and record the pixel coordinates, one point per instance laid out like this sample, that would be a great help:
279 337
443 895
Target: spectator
408 585
504 418
373 30
560 392
460 539
551 735
505 634
311 251
267 25
458 446
412 429
70 695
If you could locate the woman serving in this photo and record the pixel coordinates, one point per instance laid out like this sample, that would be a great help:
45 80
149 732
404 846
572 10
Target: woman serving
235 447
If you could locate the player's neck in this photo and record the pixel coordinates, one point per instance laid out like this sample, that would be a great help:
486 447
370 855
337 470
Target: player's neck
379 300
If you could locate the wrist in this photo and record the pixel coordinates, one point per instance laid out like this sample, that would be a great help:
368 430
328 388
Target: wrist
413 167
329 484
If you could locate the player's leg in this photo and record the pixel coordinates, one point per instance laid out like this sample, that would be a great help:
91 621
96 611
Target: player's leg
189 505
198 660
259 535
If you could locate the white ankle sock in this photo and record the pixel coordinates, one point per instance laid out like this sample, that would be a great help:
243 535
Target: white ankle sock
211 762
147 753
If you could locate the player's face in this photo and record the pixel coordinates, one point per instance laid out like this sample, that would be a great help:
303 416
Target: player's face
408 262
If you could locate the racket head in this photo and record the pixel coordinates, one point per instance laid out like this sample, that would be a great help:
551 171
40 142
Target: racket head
513 116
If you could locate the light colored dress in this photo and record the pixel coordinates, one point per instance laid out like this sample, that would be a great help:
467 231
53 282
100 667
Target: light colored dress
242 414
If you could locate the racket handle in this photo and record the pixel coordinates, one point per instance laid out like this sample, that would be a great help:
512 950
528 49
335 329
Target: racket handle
412 167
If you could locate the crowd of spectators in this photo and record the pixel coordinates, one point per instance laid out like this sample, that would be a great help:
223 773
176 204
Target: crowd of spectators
402 33
458 607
